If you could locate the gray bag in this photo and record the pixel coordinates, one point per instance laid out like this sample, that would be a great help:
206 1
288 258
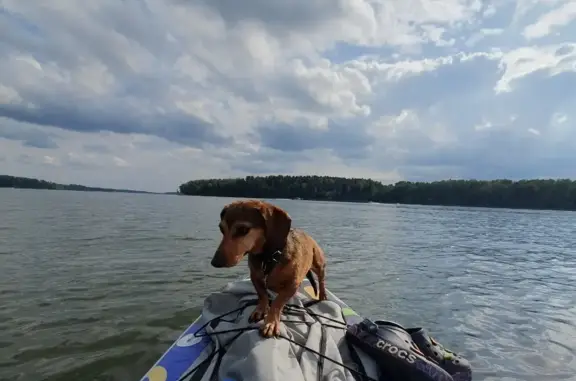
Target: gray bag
241 354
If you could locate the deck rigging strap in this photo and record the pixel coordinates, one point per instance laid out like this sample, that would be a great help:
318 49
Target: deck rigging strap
287 309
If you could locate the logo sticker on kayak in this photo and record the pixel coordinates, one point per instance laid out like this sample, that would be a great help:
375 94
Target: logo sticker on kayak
188 340
158 373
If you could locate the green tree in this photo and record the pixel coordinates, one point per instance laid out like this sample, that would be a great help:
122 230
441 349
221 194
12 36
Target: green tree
501 193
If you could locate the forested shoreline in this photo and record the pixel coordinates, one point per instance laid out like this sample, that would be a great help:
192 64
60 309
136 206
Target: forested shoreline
552 194
526 194
7 181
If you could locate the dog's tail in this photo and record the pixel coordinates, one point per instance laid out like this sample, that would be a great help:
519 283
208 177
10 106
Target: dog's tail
312 281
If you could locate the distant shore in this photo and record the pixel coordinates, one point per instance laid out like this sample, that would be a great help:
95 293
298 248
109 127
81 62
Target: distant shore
524 194
501 193
7 181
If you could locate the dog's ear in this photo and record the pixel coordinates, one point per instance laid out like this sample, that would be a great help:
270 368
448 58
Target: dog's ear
278 224
223 211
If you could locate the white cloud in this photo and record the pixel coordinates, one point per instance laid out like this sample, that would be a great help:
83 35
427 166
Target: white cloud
550 21
150 94
518 63
50 160
559 119
481 34
484 125
534 131
9 95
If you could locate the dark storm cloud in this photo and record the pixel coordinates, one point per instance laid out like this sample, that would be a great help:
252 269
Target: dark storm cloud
346 140
176 126
278 15
29 136
96 148
61 44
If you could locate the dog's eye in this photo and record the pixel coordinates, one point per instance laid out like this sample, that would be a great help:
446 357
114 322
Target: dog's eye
242 231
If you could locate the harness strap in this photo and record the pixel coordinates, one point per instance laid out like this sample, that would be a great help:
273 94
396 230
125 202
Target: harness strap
267 261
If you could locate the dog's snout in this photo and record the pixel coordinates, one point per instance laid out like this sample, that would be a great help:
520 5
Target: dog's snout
217 260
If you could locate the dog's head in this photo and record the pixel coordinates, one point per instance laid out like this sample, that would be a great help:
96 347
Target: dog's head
247 226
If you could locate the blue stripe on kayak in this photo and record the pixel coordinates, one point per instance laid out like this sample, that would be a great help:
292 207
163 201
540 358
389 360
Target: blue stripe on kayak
179 357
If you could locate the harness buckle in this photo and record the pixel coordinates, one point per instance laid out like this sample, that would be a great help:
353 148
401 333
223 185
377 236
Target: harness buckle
275 256
269 263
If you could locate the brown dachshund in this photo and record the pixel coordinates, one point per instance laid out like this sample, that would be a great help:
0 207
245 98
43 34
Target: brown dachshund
279 257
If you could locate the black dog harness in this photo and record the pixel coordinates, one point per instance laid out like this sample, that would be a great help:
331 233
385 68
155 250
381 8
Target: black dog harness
267 260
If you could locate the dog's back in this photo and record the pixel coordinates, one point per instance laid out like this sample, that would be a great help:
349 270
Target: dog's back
307 256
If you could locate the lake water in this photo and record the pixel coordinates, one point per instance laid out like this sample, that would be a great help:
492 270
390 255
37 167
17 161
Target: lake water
96 286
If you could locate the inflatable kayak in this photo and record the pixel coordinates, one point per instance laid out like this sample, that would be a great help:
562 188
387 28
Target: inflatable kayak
324 340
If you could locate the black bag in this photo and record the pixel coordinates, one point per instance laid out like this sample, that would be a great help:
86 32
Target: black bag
399 358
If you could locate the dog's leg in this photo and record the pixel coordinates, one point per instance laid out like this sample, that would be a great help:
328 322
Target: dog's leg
271 326
262 308
321 283
319 268
321 274
312 281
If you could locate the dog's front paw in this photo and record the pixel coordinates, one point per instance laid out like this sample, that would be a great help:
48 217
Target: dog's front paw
259 313
271 327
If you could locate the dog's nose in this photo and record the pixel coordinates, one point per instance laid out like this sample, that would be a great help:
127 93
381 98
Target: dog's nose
217 261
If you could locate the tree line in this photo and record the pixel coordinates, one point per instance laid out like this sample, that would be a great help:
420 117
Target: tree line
30 183
527 194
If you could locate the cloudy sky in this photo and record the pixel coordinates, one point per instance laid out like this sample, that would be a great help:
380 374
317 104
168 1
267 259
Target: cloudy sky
148 94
